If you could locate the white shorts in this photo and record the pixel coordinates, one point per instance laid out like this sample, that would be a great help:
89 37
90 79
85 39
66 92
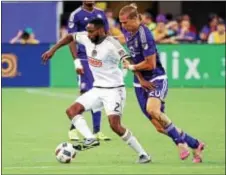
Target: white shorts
112 100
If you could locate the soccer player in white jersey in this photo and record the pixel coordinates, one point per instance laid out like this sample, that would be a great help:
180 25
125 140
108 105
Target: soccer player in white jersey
77 22
104 54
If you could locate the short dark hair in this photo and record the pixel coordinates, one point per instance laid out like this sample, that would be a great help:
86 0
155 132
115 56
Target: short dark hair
97 22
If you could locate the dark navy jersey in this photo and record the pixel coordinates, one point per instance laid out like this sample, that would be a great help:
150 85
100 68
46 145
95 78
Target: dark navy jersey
141 45
78 21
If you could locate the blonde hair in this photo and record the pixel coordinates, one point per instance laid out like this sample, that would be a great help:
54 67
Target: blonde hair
130 10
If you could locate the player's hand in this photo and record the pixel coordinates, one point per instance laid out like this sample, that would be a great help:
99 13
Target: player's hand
126 64
47 55
78 66
147 85
80 71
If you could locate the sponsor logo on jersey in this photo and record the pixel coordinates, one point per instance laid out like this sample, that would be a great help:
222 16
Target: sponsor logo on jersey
95 62
86 18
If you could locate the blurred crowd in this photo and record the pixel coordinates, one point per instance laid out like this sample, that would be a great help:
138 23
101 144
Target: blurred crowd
166 29
169 30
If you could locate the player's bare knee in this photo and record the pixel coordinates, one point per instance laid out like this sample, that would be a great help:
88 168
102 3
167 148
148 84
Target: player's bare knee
74 110
154 112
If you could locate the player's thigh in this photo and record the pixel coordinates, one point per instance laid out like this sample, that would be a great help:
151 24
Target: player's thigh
90 100
157 96
153 105
114 101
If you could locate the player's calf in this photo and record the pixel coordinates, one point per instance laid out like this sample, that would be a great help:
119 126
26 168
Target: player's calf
115 124
73 111
74 114
126 135
158 126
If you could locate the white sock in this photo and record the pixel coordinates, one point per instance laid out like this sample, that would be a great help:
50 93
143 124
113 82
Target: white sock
80 123
133 143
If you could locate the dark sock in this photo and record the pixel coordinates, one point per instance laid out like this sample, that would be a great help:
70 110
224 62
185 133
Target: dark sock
173 133
192 142
96 121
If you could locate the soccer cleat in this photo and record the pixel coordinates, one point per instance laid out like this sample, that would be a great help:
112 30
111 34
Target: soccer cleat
73 135
197 153
183 151
101 136
144 159
87 144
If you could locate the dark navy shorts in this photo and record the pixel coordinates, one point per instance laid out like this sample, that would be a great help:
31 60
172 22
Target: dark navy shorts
160 92
85 81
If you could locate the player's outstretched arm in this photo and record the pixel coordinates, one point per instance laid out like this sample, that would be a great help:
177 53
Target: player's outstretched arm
149 63
64 41
145 84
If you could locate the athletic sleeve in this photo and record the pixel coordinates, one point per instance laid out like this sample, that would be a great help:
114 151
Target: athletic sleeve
147 42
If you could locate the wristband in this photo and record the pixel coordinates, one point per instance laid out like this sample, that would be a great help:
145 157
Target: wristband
77 63
131 67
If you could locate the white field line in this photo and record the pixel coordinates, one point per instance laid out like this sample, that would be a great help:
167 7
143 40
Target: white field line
103 166
50 94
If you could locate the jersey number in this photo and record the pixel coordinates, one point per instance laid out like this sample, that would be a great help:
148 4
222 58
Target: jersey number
117 106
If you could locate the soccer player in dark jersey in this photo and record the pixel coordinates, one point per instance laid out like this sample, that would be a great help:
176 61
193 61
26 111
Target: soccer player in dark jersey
145 59
77 23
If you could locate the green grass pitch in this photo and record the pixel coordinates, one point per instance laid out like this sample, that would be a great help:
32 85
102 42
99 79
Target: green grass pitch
34 123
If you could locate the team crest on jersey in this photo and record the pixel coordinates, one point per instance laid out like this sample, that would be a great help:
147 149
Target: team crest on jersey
94 53
122 53
99 16
145 46
85 19
95 62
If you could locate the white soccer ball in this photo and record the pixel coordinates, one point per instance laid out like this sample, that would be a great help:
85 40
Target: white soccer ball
65 152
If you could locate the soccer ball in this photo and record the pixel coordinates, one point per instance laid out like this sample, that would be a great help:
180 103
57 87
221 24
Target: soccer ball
65 152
